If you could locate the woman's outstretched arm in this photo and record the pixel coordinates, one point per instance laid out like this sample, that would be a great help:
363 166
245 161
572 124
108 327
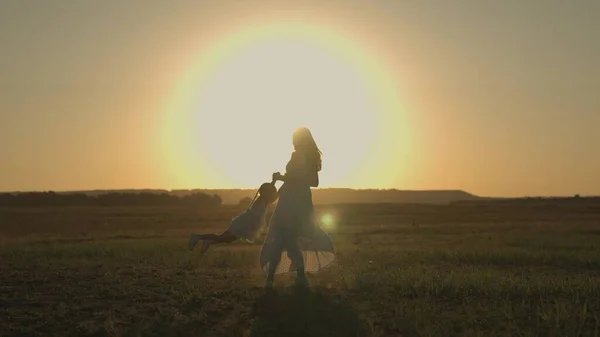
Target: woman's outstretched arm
293 177
298 171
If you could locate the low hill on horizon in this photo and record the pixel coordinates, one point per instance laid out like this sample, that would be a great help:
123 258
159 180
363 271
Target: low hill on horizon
323 195
350 196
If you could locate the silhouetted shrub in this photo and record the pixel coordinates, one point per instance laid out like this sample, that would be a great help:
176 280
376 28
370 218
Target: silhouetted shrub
51 198
245 202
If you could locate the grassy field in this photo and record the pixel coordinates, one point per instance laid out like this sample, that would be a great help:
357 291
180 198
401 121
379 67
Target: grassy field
475 270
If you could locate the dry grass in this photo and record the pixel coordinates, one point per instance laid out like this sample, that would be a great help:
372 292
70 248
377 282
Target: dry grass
403 271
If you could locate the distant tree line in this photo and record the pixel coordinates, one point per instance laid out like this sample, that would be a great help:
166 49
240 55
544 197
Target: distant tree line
108 199
576 199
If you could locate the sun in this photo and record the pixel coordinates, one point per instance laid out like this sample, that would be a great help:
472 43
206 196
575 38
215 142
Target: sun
230 121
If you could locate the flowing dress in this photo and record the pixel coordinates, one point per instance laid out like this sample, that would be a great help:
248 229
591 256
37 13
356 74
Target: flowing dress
247 225
294 215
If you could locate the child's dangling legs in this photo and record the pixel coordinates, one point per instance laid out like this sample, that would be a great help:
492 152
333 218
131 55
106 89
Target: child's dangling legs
210 239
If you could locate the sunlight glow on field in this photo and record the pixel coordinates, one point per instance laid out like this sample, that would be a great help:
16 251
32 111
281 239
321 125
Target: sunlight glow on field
230 120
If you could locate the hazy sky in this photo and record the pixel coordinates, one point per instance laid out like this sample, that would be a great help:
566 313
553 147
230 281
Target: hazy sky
504 96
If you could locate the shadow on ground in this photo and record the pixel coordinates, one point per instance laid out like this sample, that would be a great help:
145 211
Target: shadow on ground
305 313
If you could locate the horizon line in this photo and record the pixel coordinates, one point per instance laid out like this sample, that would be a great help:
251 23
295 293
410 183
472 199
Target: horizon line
317 188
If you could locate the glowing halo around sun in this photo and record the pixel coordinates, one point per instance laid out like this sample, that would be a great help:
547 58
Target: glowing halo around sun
228 122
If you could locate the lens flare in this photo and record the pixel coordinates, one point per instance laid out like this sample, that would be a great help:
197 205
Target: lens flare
328 221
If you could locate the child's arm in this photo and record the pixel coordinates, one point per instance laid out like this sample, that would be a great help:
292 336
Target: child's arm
276 193
275 176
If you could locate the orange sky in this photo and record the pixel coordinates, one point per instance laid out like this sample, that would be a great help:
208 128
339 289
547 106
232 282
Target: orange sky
497 98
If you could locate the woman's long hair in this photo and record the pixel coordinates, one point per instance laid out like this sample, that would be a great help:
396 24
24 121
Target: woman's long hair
304 141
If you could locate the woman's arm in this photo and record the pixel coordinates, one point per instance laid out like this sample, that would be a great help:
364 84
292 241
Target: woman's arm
299 171
313 181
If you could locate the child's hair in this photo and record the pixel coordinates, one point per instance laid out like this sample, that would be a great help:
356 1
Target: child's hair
266 191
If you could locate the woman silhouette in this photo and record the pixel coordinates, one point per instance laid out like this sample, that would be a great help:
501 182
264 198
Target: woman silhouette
293 227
